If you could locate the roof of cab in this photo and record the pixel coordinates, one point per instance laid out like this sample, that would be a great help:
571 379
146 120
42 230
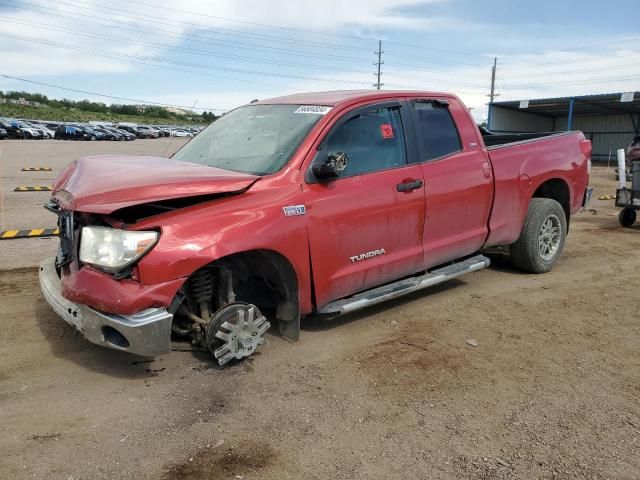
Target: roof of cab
336 97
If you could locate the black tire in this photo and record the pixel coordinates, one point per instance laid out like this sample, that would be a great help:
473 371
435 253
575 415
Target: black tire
527 253
627 217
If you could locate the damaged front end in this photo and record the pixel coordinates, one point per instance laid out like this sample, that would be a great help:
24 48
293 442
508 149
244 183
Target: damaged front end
104 296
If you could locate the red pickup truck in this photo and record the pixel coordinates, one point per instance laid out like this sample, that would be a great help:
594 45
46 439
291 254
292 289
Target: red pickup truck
317 203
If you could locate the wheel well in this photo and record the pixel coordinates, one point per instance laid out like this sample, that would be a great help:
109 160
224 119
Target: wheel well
558 190
268 280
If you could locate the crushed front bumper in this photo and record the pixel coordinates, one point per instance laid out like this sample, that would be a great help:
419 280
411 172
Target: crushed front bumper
146 333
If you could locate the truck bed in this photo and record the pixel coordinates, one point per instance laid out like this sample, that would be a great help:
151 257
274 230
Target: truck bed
494 140
521 165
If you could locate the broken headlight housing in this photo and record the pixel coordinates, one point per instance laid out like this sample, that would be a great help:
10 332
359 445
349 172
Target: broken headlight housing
112 249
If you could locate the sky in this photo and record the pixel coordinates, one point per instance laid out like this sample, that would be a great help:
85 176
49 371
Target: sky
216 55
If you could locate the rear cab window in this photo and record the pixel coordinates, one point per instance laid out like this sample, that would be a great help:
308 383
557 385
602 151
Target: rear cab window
437 132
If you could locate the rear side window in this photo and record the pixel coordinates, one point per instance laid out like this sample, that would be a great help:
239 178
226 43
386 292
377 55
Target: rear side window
372 140
436 129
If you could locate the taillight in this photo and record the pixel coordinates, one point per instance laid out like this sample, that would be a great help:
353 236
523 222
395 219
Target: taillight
585 146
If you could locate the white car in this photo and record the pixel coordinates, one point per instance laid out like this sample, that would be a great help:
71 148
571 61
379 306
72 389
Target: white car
181 133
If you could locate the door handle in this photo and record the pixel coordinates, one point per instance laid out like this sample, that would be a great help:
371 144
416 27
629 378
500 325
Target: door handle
409 185
486 169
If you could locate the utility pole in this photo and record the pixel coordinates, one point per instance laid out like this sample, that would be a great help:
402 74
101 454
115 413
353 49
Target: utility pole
493 79
493 93
379 63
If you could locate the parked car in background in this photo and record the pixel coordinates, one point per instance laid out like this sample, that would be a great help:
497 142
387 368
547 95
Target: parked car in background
148 131
179 132
133 130
45 132
108 134
12 131
123 133
3 134
27 131
93 134
72 132
126 135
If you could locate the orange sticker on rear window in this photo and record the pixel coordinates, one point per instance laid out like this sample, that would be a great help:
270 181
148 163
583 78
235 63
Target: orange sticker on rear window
387 130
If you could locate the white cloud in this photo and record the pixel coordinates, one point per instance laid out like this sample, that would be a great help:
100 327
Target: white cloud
551 73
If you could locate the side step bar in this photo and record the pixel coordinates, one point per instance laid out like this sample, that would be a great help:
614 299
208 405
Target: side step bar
405 286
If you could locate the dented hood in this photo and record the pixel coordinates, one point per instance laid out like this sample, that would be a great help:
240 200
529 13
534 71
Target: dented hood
103 184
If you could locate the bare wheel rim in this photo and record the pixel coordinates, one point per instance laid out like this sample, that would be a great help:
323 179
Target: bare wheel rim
550 237
240 336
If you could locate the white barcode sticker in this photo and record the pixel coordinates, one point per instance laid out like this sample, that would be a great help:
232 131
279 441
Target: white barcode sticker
627 97
314 109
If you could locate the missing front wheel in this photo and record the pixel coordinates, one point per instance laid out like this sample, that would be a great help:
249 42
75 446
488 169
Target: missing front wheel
235 331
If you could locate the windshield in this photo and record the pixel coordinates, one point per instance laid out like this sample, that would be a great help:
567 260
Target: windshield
257 139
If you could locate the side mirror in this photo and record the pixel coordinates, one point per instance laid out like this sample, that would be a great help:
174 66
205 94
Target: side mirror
332 167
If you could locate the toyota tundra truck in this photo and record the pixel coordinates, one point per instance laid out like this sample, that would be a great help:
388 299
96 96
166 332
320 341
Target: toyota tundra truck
309 204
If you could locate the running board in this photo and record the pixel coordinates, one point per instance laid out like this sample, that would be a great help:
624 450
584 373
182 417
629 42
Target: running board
405 286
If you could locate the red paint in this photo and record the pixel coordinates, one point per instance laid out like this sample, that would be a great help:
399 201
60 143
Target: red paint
468 200
102 184
125 297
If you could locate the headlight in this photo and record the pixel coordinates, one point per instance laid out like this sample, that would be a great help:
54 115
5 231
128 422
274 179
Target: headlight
112 249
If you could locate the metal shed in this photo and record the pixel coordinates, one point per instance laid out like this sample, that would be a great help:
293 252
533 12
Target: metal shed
609 120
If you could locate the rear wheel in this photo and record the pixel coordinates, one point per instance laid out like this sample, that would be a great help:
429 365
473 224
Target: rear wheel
542 238
627 217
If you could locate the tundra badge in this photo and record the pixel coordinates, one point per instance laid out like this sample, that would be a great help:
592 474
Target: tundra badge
294 210
364 256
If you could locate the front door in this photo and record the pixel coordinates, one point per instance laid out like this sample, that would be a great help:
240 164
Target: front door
458 181
365 227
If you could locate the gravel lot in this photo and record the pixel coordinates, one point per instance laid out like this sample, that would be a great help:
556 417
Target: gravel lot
551 391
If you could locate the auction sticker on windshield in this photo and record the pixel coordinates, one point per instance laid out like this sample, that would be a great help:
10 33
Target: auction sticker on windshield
315 109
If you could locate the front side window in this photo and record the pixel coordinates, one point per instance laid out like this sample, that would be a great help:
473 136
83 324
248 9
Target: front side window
372 140
257 139
436 129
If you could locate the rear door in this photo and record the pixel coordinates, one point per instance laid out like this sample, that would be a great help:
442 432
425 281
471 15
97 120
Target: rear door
458 180
365 227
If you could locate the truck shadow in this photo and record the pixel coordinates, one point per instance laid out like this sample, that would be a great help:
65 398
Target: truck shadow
315 323
67 343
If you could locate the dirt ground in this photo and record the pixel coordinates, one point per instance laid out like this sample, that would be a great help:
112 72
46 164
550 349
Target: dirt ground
551 391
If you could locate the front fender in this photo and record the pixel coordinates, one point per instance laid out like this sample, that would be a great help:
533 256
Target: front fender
198 235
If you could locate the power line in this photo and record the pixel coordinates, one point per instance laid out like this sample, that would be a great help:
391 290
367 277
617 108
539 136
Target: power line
588 82
200 38
569 72
432 60
315 32
164 67
134 15
264 25
110 96
99 52
179 49
533 66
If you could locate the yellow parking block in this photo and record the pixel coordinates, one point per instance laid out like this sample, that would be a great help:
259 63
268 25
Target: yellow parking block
33 188
30 233
36 169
